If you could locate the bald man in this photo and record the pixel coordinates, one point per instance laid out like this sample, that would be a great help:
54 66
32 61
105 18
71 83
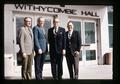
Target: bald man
40 44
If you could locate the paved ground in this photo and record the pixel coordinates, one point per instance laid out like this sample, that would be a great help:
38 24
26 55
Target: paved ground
85 72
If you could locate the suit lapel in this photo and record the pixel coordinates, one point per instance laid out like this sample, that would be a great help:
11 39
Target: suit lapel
52 30
72 34
58 30
29 31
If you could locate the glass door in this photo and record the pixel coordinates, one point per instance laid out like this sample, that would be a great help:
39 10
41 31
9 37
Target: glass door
89 42
87 29
18 23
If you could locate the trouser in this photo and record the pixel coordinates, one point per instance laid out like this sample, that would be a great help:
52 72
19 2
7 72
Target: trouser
39 62
56 66
27 67
73 65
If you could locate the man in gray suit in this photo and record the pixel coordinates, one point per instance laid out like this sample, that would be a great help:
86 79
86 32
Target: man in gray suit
26 48
40 44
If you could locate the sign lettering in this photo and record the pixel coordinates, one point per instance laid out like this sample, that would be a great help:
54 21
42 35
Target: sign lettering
54 10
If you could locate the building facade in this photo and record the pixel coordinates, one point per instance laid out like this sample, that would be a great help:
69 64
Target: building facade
95 24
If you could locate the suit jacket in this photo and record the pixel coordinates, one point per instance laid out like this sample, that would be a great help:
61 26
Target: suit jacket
73 44
57 41
26 40
39 39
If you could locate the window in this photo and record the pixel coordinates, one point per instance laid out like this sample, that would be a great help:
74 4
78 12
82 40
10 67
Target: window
110 26
90 55
89 32
110 17
20 23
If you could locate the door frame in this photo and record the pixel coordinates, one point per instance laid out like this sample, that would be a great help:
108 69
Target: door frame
34 17
82 20
92 46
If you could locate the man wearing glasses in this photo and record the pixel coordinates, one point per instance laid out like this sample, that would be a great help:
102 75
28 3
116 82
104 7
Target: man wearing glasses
26 44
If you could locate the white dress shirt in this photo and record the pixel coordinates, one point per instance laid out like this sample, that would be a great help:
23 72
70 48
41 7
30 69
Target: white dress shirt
70 34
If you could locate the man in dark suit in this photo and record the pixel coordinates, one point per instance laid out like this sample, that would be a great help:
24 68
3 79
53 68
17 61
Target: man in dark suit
40 47
56 39
73 45
26 44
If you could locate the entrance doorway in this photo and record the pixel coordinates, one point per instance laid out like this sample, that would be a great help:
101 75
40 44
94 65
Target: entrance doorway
88 31
18 22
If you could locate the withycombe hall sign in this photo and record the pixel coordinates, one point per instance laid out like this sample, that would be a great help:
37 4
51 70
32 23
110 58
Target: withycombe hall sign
53 9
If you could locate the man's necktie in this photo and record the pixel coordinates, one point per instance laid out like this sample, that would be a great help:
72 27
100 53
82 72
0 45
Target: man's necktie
30 32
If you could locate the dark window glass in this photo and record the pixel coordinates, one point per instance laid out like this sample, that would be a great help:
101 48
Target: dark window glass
89 32
110 17
80 56
90 55
77 25
110 36
47 25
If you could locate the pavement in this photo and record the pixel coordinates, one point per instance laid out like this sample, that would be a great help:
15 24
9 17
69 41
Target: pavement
85 72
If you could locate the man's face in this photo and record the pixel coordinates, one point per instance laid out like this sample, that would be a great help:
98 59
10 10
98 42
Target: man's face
70 26
41 22
28 22
56 22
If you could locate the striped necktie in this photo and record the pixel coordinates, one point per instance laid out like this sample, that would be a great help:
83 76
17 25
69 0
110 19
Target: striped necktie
30 31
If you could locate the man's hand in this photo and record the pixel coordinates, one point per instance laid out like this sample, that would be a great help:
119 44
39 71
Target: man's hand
63 52
34 53
40 51
24 55
77 53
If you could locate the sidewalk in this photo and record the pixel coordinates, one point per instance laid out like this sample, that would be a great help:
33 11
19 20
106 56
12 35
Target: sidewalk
85 72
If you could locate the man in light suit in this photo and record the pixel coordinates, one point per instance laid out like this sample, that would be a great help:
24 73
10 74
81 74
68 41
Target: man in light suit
56 39
26 44
40 44
73 45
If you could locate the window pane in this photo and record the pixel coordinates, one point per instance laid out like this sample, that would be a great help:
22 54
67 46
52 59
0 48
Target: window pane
47 25
110 17
47 57
110 36
77 25
90 55
89 33
80 56
19 24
